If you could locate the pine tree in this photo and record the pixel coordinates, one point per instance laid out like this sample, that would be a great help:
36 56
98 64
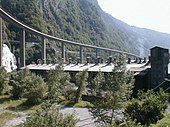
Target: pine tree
117 89
57 80
97 84
81 82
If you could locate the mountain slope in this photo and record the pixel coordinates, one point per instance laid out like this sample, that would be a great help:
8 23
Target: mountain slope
82 21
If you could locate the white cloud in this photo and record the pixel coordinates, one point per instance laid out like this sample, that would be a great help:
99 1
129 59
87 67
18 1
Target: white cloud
152 14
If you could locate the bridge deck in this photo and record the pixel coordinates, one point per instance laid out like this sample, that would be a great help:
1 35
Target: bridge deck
91 67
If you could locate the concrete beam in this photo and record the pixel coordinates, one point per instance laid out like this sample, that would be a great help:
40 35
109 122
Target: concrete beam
44 54
97 53
63 55
1 42
110 53
22 49
81 54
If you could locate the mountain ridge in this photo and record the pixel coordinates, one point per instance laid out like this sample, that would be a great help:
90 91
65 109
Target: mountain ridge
83 21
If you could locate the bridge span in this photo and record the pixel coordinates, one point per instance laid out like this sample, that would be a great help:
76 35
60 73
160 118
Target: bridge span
25 28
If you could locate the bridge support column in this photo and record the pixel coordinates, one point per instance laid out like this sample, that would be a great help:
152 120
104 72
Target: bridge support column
1 43
110 53
44 51
81 54
63 55
97 53
22 49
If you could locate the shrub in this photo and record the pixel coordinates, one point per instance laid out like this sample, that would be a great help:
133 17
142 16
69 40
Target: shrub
19 81
148 107
57 81
35 90
165 122
81 82
49 117
30 86
4 87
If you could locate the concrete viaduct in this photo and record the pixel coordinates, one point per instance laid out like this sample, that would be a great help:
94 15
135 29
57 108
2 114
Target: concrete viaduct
25 28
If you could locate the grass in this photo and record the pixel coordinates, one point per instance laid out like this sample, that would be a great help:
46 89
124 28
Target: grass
9 107
86 102
80 104
4 116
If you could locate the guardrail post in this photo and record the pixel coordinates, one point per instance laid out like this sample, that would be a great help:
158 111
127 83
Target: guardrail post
81 54
22 49
63 55
44 50
1 43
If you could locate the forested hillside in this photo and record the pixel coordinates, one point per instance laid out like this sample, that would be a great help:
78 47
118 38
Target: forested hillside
82 21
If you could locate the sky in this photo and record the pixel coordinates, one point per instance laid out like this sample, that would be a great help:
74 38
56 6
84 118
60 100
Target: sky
151 14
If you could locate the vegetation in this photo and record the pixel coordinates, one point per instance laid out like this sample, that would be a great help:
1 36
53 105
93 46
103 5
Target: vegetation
117 88
148 108
30 86
57 81
49 116
109 98
96 84
165 122
81 82
4 87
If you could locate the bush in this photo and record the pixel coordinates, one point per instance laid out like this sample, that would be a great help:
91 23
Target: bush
165 122
57 81
4 87
30 86
148 107
49 117
35 90
18 82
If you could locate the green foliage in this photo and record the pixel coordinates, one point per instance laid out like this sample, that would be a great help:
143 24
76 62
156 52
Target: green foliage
49 117
117 88
30 86
130 123
148 107
165 122
4 87
19 81
35 89
97 83
57 81
81 82
84 104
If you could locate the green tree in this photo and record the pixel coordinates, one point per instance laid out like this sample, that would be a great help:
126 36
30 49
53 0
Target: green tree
57 81
35 89
148 107
81 82
19 81
117 89
49 117
28 85
97 84
4 87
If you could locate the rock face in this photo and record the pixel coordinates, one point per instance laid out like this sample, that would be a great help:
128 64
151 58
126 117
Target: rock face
8 59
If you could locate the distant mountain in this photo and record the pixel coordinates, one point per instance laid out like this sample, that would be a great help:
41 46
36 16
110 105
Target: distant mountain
82 21
143 39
